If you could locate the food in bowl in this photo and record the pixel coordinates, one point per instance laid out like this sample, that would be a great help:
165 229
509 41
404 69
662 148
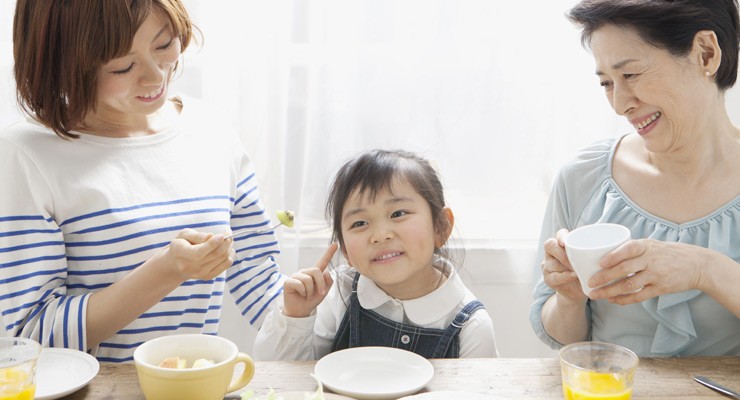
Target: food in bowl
181 363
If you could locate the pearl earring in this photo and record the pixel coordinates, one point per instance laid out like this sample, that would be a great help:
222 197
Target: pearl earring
708 74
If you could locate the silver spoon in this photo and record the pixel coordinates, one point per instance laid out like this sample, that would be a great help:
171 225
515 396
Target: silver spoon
251 230
716 386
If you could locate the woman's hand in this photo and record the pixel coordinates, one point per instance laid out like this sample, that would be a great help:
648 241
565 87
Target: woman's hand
557 271
651 268
307 288
199 255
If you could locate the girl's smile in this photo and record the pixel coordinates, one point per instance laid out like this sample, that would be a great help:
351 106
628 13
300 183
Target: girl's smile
390 238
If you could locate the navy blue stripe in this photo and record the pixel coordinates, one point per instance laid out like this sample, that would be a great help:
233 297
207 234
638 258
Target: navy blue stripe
115 360
29 290
245 180
245 194
31 260
150 218
120 345
181 312
41 325
145 233
81 332
257 285
261 255
29 231
267 303
250 204
104 271
250 226
239 286
89 287
194 282
247 215
31 246
253 235
192 296
25 218
116 255
106 284
19 308
274 243
161 328
259 298
34 274
30 316
65 321
147 205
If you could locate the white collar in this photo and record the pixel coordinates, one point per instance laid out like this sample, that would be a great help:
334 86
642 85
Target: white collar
421 311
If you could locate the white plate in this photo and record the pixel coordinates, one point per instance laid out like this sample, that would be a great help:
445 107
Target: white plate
374 372
302 396
63 371
451 395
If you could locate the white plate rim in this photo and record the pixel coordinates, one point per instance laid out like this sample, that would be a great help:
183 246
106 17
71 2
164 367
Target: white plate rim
391 353
451 394
70 354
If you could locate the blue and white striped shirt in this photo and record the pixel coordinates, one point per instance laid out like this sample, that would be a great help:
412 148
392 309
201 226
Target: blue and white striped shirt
76 216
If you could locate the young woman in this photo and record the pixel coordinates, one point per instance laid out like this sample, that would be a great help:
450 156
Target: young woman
117 195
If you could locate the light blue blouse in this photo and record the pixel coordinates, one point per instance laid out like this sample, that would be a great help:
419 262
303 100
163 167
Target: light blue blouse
677 324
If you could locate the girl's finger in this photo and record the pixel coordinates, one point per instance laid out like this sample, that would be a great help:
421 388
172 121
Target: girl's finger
293 285
326 258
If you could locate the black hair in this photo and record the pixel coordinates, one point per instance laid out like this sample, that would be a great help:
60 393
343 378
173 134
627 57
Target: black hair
669 24
374 171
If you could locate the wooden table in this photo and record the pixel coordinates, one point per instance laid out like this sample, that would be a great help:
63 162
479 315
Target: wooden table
515 378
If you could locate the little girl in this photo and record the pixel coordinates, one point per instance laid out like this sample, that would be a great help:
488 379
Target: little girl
399 288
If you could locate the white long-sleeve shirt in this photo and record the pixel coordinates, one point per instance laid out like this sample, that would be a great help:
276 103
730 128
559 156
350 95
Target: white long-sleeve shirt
286 338
78 215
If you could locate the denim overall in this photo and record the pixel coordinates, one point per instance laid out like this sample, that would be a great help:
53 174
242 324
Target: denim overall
361 327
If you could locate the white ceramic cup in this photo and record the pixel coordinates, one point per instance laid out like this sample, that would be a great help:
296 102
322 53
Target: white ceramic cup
587 245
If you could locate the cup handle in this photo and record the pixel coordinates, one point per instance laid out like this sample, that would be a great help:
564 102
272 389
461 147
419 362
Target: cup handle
246 376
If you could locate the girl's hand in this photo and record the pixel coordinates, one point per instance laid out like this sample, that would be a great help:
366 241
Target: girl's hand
306 289
557 271
199 255
652 268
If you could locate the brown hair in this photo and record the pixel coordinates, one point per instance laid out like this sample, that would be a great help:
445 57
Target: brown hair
59 46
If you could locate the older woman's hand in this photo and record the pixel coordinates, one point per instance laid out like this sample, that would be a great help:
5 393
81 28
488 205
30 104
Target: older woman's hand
652 268
557 271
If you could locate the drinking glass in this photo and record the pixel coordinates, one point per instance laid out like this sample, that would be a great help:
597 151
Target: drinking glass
18 359
596 370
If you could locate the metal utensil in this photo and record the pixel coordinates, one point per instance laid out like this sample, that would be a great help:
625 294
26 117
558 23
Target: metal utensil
252 230
716 386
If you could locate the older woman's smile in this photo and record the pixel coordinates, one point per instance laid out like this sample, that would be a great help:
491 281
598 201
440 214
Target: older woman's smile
644 124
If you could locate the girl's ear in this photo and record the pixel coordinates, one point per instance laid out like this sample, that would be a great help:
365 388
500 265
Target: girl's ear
344 253
442 236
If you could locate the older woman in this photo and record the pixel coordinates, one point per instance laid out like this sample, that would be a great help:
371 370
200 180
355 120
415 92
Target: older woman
674 182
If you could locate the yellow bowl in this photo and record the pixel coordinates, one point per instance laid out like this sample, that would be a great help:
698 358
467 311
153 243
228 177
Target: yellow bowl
205 383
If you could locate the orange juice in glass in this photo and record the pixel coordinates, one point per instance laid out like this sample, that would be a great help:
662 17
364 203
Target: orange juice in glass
595 370
18 358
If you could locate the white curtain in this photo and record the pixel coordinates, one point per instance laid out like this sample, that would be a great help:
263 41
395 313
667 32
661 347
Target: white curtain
497 94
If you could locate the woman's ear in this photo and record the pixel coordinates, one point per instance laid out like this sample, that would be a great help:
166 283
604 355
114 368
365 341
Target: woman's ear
707 51
442 236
